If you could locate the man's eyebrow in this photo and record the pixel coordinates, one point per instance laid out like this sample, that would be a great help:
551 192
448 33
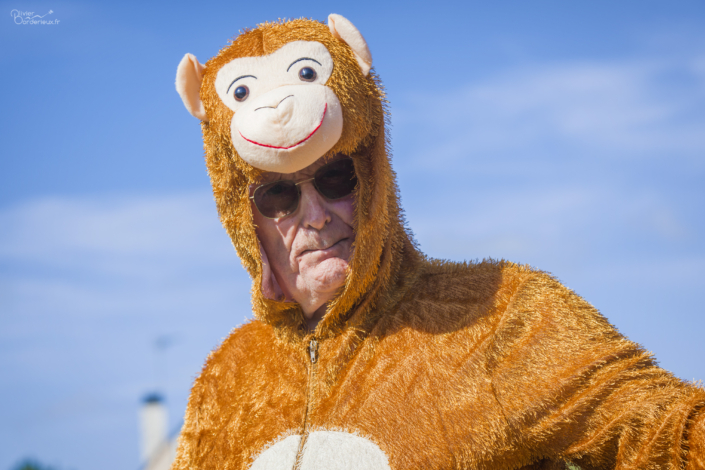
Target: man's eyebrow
238 78
303 58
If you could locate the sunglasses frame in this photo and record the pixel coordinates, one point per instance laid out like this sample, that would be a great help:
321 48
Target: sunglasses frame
297 184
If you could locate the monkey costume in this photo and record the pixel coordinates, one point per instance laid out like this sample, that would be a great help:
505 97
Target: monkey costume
417 363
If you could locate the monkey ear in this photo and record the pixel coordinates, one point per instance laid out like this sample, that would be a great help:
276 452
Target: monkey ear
343 29
189 75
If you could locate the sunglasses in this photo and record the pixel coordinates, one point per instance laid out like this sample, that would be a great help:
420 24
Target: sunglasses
333 181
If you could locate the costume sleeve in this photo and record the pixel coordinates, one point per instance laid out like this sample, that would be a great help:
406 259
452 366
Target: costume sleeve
573 389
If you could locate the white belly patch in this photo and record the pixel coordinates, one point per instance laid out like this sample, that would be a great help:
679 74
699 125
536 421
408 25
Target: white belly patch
324 450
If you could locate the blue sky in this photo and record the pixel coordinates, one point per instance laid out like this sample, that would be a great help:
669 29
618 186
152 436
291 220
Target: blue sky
566 135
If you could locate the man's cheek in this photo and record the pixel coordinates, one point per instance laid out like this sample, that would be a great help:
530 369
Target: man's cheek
345 209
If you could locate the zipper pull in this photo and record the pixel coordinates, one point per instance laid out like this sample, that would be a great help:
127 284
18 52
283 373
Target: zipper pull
313 350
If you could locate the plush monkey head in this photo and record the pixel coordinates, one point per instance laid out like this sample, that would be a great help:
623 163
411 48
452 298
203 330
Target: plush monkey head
289 93
278 98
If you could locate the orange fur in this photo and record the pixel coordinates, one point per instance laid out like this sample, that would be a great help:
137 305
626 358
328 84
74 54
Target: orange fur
442 365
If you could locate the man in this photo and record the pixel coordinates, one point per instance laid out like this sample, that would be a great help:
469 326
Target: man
306 253
364 354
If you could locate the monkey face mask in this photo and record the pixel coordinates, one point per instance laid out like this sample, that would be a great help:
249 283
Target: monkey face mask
285 113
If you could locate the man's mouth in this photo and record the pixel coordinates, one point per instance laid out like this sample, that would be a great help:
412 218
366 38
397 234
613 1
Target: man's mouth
314 250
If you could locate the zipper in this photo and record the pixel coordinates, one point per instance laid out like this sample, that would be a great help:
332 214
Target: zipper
313 350
313 357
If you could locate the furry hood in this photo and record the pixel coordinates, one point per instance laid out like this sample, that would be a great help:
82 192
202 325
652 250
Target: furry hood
383 249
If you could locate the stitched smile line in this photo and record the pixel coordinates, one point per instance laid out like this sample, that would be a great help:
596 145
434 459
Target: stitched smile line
297 143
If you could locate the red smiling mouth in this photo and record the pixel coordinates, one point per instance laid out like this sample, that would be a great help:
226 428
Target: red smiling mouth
297 143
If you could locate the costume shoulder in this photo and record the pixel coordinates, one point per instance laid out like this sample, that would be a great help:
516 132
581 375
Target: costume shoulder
228 363
573 388
451 295
236 351
245 361
514 297
570 386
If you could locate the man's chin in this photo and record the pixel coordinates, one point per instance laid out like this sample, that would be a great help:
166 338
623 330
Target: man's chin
325 276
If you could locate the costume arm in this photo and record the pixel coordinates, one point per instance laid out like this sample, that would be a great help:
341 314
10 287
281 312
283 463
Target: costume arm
572 388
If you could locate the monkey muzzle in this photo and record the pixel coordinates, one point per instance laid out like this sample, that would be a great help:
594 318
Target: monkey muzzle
287 128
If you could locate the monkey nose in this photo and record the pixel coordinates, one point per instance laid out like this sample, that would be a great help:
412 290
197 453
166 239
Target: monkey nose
278 113
274 106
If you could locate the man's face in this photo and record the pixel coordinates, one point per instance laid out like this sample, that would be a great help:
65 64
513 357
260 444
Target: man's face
308 250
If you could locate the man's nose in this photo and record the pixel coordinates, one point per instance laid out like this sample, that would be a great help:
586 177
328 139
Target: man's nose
314 207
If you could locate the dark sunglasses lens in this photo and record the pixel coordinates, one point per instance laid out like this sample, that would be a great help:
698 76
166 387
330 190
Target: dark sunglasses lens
277 199
336 179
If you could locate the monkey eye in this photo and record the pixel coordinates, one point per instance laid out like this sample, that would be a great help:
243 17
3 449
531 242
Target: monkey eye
307 74
241 93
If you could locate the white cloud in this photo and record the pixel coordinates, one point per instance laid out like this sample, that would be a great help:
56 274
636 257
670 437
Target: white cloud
115 256
576 228
606 109
129 236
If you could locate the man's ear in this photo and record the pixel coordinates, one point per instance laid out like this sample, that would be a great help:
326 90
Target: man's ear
344 30
189 75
